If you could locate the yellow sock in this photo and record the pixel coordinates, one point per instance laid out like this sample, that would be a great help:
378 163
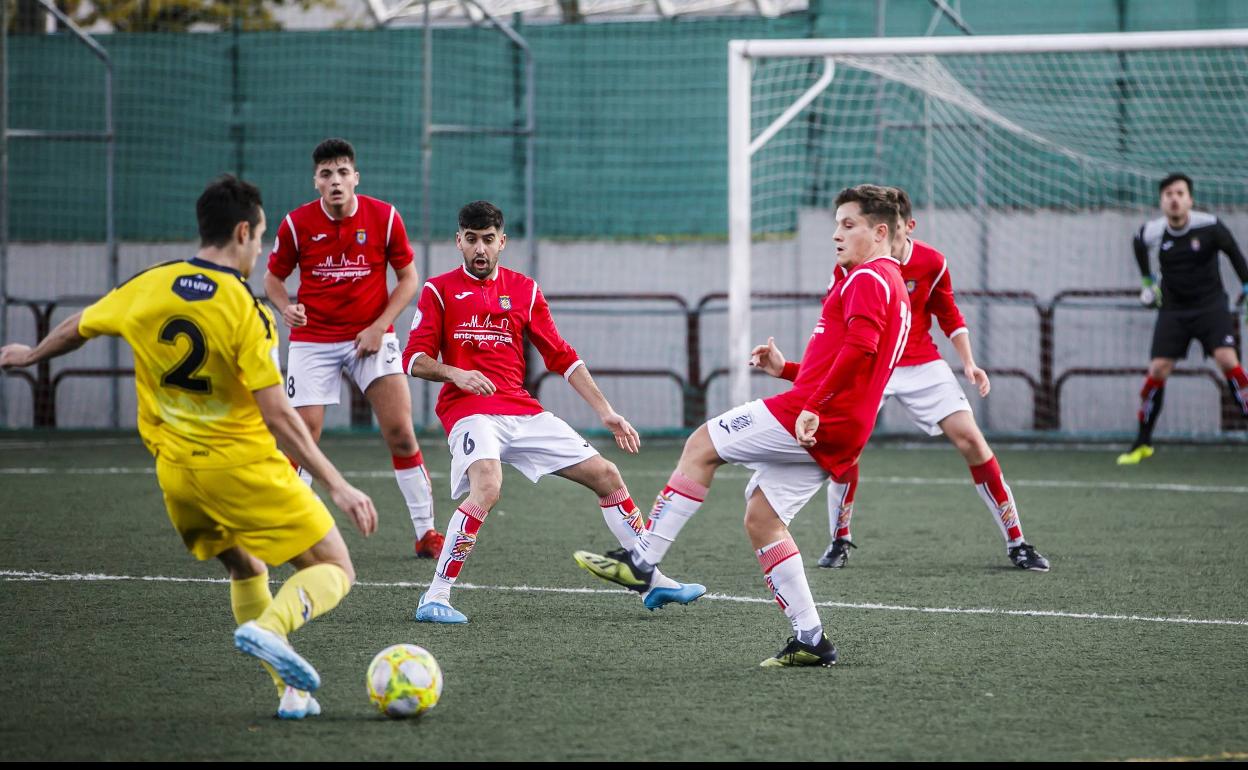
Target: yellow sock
250 598
308 594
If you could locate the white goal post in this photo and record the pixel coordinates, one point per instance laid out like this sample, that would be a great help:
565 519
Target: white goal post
830 58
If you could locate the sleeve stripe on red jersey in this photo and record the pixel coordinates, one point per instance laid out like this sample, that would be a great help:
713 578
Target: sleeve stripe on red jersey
959 330
429 285
412 363
389 225
533 300
568 374
293 238
944 266
888 294
277 243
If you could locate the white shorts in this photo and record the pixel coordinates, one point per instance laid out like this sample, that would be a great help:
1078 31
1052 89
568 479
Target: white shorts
928 392
536 445
750 435
314 369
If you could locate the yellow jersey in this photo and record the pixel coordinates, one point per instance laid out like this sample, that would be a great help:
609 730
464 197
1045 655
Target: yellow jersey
202 343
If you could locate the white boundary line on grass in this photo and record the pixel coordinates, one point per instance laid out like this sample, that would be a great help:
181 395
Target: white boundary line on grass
1201 489
28 576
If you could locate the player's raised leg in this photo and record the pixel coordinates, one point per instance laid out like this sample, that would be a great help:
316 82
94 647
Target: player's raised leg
392 403
1152 397
964 434
840 513
680 499
624 520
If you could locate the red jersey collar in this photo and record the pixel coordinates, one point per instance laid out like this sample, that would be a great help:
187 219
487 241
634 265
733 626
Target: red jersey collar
479 281
330 217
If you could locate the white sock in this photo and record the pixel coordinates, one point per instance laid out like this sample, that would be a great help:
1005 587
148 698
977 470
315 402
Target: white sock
624 520
417 491
304 476
461 536
675 505
786 577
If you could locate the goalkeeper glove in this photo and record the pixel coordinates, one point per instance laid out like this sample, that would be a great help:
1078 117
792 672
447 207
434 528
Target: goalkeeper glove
1150 295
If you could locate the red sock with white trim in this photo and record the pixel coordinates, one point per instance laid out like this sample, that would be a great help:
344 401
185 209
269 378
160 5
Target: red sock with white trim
841 504
417 491
786 577
674 506
623 518
461 536
997 496
1239 387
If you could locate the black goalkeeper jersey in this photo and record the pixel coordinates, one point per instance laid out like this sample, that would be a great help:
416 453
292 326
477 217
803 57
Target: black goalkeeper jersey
1189 260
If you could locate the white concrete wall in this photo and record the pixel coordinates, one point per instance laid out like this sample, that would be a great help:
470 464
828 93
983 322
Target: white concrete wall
1041 252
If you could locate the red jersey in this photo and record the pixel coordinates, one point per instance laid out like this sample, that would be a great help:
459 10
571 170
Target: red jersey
342 265
475 324
871 305
930 289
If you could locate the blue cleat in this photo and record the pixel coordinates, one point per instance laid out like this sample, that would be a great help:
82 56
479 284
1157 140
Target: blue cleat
297 704
437 612
659 597
272 649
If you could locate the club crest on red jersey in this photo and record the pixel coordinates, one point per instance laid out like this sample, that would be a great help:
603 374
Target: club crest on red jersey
910 287
361 235
504 301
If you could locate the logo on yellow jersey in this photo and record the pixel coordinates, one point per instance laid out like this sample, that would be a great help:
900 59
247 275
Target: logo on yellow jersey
194 288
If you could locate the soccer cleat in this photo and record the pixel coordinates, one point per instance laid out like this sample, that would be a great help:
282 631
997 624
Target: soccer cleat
1135 456
429 546
437 612
297 704
617 567
272 649
837 553
797 654
659 596
1026 557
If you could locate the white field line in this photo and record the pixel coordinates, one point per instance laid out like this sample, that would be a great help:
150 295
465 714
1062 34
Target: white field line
27 576
1200 489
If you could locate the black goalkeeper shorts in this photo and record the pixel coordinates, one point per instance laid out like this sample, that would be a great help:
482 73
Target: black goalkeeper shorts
1175 329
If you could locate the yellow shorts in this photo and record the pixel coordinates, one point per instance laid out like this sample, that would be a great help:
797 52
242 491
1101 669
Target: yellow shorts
262 507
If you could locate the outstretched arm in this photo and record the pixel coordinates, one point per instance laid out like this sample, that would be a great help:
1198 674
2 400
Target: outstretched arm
64 338
625 436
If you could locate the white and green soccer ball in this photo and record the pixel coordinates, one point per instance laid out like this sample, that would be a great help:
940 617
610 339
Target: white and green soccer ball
404 681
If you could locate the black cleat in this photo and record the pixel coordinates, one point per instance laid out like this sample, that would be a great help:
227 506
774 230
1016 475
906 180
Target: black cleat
1026 556
837 553
797 654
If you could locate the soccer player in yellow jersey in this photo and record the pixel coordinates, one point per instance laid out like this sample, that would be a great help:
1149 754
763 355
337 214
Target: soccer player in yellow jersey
211 405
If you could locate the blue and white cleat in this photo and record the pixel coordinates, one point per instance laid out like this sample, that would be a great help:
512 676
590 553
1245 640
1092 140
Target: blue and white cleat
297 704
437 612
272 649
659 597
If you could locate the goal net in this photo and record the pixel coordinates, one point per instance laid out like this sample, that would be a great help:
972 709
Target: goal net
1031 162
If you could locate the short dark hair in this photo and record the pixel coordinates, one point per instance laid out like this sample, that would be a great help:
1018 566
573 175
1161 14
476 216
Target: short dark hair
1175 177
226 201
904 209
879 204
480 215
333 149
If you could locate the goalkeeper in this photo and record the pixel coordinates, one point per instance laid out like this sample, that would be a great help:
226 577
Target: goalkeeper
1190 299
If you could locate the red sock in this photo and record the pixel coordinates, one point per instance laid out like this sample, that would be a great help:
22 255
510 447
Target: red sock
406 463
841 503
1147 394
1000 501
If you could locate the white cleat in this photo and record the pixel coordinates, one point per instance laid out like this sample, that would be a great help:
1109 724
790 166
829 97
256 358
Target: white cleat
261 643
297 704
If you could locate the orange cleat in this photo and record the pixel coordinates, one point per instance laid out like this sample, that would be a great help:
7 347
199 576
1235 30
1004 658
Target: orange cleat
429 546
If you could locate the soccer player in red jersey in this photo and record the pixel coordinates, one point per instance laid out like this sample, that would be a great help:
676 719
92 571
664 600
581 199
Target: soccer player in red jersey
798 439
475 318
925 386
343 318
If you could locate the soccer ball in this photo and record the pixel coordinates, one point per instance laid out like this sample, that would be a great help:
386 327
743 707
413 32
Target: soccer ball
404 681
